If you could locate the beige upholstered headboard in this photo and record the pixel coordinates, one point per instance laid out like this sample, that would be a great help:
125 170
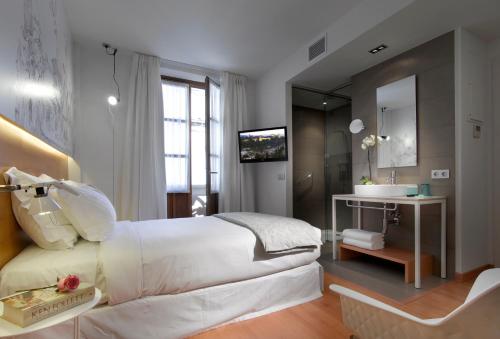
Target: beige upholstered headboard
20 149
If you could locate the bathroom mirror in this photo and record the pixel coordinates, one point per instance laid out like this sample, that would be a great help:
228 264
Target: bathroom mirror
397 124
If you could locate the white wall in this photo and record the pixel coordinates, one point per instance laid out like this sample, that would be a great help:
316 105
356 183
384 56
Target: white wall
273 97
473 156
93 160
494 60
93 70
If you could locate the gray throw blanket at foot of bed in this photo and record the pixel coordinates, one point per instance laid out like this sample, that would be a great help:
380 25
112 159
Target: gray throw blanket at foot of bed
277 234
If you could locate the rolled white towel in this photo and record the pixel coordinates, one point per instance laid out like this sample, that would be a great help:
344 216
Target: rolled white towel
377 245
362 235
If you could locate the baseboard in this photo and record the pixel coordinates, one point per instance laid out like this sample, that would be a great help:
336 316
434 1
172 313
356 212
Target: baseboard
471 275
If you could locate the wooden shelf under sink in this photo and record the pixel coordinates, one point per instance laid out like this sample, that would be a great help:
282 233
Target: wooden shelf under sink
397 255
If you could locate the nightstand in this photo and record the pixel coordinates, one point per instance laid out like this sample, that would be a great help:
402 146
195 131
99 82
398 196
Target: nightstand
8 329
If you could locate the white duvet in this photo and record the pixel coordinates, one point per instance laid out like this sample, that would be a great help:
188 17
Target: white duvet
172 256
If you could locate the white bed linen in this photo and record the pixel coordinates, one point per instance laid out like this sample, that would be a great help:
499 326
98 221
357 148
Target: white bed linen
159 257
181 315
278 234
35 267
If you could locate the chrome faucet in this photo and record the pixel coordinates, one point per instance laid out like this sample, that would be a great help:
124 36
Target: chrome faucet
391 179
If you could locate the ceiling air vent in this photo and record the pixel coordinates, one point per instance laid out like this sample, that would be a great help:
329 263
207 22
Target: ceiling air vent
318 48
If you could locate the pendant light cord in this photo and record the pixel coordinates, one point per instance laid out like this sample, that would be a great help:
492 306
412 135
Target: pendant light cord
114 75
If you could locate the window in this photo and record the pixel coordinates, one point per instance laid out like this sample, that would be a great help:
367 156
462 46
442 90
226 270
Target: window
191 120
176 113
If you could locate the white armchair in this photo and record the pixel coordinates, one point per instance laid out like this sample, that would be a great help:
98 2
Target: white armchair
477 317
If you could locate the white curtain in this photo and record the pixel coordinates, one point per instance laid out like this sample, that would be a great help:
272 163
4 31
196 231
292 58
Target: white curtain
141 189
237 184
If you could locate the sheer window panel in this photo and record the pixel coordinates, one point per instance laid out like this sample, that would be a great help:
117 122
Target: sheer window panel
214 101
175 100
198 151
176 127
214 174
177 174
176 137
215 137
198 148
197 105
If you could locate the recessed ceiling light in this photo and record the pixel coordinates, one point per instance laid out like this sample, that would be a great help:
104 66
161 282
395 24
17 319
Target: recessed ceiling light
378 49
325 103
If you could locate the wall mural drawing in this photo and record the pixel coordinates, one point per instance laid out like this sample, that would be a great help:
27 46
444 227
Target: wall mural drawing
43 86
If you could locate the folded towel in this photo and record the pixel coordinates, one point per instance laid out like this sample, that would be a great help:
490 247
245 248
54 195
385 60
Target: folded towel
362 235
377 245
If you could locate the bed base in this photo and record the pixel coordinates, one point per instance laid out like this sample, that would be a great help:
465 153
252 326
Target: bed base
184 314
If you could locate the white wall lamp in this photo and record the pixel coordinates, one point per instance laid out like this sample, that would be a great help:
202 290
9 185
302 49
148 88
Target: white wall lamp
113 100
41 203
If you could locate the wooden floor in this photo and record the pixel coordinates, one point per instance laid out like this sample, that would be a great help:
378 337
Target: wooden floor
322 318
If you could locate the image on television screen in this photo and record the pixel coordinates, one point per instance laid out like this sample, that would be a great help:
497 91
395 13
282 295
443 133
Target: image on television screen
263 145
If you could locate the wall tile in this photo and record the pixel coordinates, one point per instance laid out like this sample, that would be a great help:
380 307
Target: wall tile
433 64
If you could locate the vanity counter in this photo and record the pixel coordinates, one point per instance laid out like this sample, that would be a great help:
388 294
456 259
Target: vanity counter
423 200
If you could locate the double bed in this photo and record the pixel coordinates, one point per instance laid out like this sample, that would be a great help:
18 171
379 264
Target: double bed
160 278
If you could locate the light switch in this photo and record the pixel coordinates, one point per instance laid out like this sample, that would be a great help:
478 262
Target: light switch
440 174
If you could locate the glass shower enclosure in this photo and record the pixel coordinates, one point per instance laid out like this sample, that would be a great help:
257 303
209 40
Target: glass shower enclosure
322 159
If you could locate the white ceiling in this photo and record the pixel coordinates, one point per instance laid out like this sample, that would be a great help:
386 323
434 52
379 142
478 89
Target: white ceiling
243 36
419 22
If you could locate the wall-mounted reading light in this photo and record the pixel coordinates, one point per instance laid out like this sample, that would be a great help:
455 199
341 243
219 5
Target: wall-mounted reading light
41 203
113 100
377 49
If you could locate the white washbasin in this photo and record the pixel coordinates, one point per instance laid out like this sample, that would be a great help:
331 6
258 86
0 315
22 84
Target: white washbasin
384 190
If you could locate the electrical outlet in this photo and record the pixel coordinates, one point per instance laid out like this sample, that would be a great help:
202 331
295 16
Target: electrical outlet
440 174
281 176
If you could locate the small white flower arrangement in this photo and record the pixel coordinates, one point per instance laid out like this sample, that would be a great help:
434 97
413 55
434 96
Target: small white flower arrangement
367 143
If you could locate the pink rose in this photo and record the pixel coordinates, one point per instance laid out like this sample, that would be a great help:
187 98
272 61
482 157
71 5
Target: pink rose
69 283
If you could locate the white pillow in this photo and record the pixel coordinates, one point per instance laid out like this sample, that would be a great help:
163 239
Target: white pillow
50 231
91 213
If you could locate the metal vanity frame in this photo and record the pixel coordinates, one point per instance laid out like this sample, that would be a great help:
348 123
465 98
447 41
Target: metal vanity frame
417 202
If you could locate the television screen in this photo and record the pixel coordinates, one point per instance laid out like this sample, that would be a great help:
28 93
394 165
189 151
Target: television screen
262 145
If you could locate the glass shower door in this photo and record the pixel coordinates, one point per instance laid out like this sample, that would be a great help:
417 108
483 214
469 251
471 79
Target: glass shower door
338 166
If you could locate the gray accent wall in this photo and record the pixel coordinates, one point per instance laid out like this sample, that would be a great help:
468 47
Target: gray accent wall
433 64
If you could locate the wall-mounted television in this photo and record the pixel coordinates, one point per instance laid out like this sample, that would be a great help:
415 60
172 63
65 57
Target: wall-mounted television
263 145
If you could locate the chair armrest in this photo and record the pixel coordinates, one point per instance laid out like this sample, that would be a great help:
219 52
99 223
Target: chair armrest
346 292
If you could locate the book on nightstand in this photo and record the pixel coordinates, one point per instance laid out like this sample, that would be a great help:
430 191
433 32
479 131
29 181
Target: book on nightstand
26 308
